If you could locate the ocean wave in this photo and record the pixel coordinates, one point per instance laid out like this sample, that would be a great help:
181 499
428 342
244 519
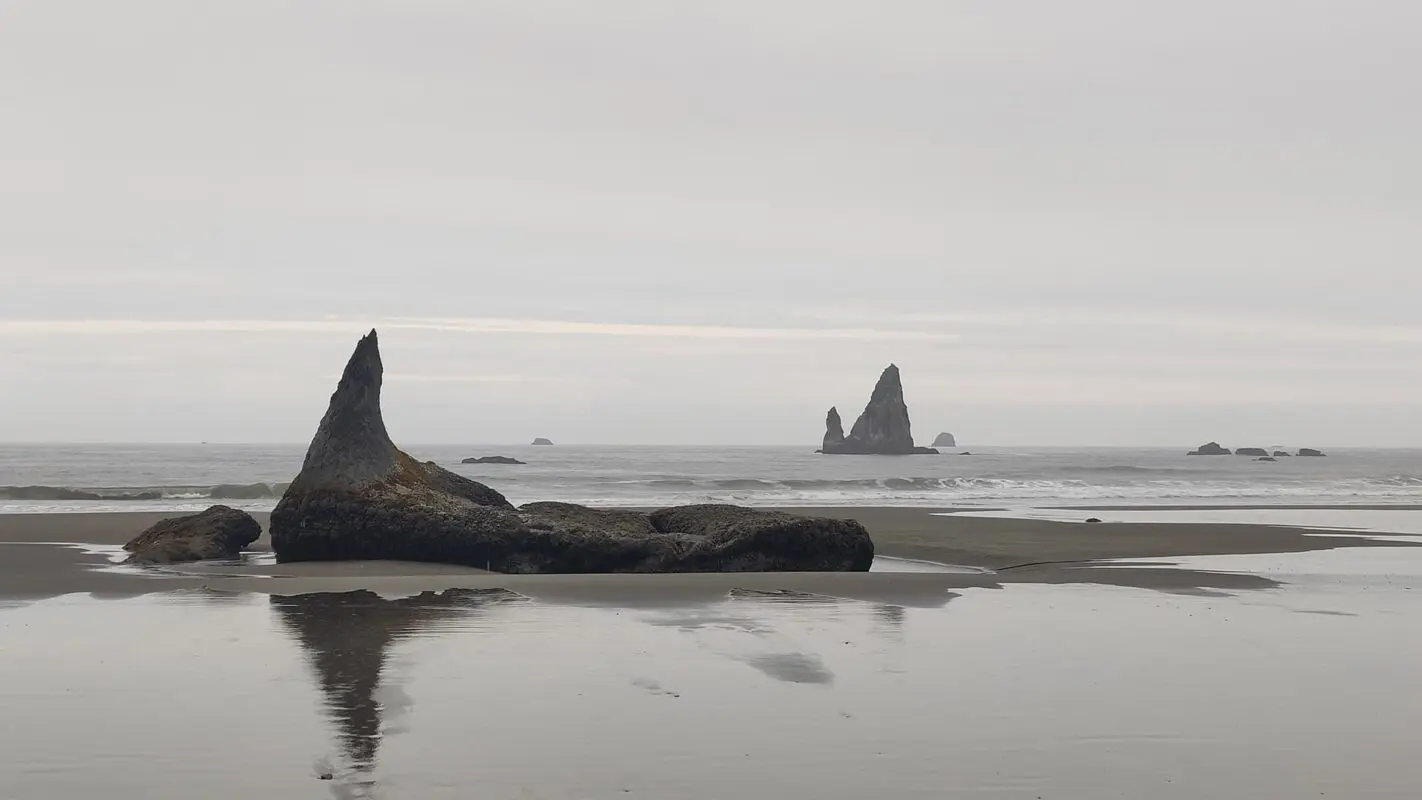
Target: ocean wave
254 491
1129 469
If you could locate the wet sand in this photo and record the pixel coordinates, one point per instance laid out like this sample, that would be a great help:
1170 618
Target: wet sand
1012 550
1032 691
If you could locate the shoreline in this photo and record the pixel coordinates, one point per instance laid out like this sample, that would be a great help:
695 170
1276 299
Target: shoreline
41 555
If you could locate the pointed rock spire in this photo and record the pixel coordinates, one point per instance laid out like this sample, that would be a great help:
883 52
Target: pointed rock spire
834 429
883 428
351 447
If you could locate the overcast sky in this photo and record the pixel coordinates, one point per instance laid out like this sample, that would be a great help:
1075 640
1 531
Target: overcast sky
1089 222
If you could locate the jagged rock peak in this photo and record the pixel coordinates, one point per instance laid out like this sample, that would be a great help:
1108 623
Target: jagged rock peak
834 429
883 428
351 447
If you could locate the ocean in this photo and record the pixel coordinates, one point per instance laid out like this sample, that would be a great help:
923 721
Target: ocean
182 477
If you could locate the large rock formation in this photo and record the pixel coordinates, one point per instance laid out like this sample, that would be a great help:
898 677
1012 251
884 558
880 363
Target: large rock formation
945 440
1257 452
360 497
883 428
834 431
1209 449
1309 452
491 460
219 532
542 442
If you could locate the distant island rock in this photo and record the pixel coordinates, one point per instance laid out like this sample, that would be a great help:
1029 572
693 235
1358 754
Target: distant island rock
542 442
492 460
883 428
1309 452
218 532
1209 449
1266 458
360 497
1251 451
945 440
1282 454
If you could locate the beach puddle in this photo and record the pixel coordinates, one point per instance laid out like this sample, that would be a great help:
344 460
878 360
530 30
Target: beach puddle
1076 692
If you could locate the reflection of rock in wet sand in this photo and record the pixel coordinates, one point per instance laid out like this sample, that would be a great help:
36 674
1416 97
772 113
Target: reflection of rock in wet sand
347 637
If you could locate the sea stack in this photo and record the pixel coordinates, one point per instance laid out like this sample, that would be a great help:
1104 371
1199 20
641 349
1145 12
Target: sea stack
834 431
1209 449
542 442
883 428
358 497
945 440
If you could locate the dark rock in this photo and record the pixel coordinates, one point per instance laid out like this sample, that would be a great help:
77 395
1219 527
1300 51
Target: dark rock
1282 454
543 442
219 532
1092 519
945 440
735 539
965 453
834 431
581 519
1210 449
1309 452
1251 451
359 497
491 460
235 491
1266 458
883 428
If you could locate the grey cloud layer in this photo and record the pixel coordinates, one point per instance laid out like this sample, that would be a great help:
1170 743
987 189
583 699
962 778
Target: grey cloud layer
1137 200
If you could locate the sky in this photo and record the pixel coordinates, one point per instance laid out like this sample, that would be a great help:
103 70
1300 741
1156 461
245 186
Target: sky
1105 222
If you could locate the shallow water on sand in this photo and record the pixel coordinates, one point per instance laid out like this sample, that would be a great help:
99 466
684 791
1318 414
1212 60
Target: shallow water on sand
1024 692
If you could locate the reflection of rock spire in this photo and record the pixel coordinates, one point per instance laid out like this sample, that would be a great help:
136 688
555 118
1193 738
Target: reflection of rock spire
346 638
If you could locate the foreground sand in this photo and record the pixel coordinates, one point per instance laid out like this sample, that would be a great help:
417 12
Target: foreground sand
1009 550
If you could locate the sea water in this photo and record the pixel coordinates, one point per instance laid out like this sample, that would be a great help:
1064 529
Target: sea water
653 476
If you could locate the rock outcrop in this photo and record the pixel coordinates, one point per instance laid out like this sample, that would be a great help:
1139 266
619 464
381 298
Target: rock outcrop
1266 458
1209 449
492 460
834 431
219 532
1309 452
883 428
1282 454
542 442
1257 452
945 440
360 497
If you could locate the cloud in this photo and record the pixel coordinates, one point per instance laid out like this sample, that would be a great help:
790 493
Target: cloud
111 327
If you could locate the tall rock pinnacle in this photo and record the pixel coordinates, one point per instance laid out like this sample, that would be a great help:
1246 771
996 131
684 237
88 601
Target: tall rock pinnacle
883 428
834 430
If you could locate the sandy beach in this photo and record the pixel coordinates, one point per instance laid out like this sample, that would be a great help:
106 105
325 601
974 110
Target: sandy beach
51 554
